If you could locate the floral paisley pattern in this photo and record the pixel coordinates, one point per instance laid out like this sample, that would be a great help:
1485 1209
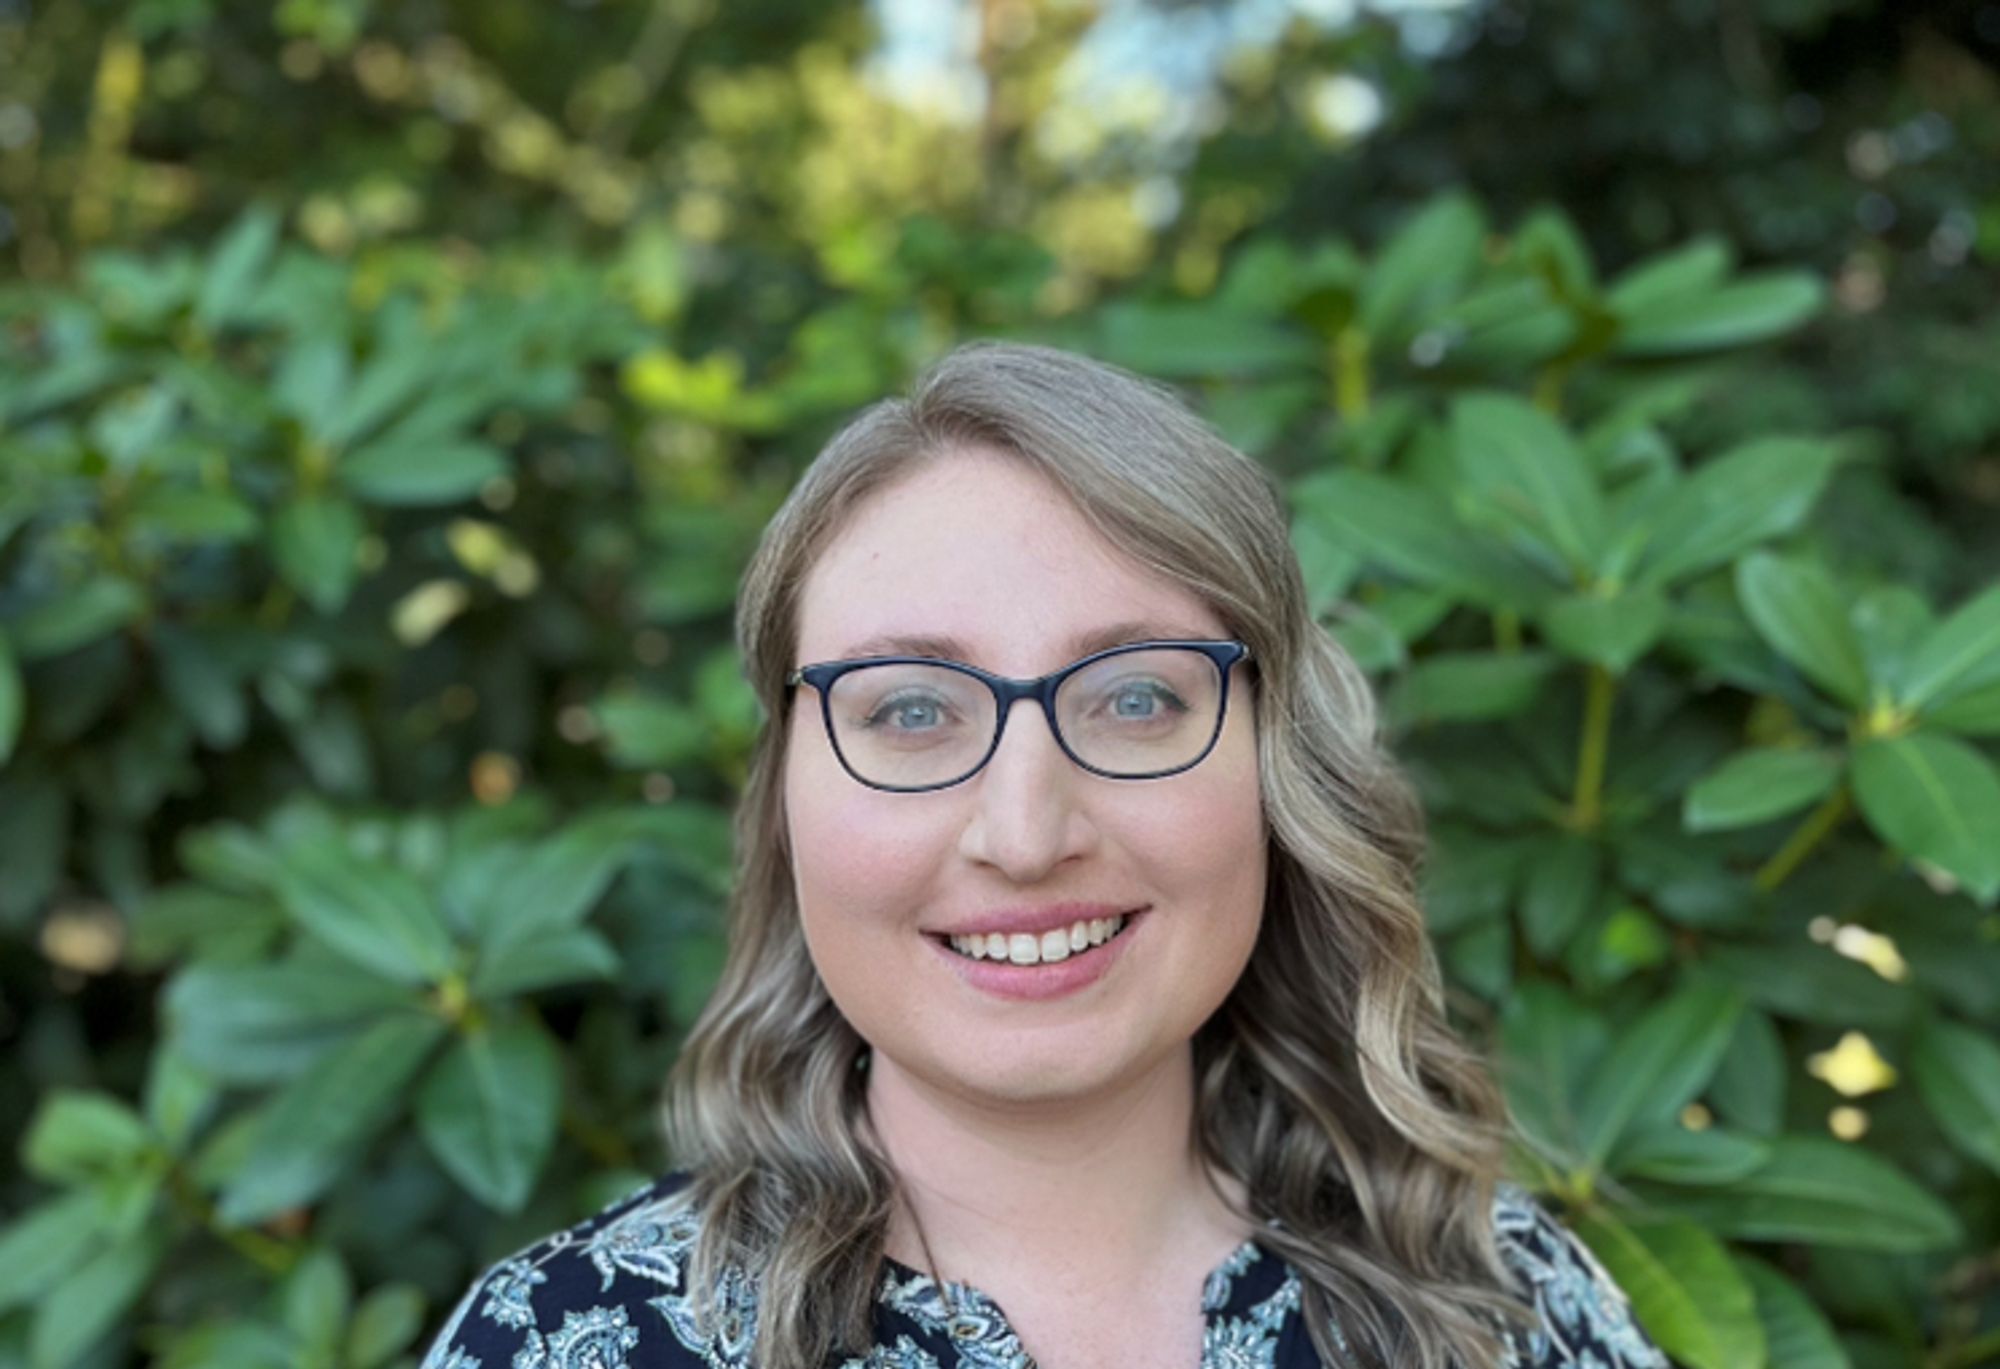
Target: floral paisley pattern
611 1293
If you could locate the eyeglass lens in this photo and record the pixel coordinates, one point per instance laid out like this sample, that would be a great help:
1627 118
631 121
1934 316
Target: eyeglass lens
1132 714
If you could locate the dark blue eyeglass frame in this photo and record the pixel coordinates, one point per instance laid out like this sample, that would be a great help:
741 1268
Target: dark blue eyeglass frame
1006 690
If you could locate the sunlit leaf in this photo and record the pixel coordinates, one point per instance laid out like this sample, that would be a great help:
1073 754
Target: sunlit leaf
1684 1288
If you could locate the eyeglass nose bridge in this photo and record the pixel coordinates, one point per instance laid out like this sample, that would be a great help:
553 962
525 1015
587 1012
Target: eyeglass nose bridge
1007 691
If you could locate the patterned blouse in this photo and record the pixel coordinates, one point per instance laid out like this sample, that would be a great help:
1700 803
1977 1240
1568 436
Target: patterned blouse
609 1293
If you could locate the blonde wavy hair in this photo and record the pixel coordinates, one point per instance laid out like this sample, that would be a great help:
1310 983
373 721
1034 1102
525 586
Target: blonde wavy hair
1368 1137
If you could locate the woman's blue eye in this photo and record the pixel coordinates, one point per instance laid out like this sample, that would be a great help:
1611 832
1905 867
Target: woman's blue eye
901 707
1154 694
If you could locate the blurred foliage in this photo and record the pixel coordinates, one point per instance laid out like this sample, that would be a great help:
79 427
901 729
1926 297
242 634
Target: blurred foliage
370 521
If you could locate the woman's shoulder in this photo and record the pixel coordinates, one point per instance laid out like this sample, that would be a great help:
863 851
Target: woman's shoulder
1585 1318
610 1290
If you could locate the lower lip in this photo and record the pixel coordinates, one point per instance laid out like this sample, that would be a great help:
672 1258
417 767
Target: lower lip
1034 983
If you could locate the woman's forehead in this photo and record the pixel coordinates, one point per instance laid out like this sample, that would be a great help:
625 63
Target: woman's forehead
972 557
1084 641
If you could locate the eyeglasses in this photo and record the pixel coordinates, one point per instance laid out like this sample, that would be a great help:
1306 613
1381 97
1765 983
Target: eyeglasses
909 724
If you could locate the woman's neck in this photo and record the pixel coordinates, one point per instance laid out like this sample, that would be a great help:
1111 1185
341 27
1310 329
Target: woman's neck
1097 1193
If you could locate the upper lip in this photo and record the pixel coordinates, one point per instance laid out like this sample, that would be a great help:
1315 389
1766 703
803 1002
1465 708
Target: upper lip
1033 921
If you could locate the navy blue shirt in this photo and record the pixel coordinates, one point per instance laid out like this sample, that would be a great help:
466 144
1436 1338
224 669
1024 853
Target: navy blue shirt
611 1293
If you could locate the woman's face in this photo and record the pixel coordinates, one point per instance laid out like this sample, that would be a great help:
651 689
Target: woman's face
981 549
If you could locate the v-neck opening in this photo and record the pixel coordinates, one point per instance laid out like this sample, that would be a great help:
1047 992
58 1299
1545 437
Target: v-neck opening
1237 1263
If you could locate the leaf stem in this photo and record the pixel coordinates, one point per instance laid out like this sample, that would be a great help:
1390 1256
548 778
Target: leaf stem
1807 835
1586 808
1549 387
603 1144
274 1256
1350 373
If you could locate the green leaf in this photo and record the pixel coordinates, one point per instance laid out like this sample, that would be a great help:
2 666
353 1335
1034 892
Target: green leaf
489 1111
13 701
230 1345
1691 270
384 1325
76 1136
1813 983
1824 1192
1178 341
376 915
34 837
1797 1334
1469 877
542 960
236 266
1328 565
1799 611
1758 785
179 514
1749 1084
1521 461
1960 653
1935 798
553 885
309 1132
1548 240
1423 267
1508 327
1469 686
130 429
1482 959
434 473
1671 1153
315 541
1415 533
96 608
1563 877
1744 311
200 686
1549 1042
311 383
1609 629
92 1299
1684 1288
316 1297
255 1023
1976 712
1732 503
1655 1065
1891 621
1957 1070
643 731
44 1243
179 1097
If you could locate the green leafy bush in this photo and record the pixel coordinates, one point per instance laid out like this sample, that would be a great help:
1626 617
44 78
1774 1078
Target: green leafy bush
367 712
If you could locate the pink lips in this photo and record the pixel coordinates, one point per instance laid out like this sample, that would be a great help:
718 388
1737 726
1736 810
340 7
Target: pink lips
1032 920
1035 983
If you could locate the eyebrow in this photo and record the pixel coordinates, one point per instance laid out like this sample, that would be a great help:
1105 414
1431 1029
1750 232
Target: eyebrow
1082 644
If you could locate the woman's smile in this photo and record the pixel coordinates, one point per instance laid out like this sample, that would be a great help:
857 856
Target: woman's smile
1039 969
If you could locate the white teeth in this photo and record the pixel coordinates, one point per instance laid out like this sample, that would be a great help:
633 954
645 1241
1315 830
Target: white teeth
1023 948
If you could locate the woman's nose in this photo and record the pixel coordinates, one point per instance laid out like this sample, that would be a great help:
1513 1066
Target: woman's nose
1025 817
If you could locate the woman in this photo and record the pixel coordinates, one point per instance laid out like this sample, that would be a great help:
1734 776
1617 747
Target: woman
1103 1031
